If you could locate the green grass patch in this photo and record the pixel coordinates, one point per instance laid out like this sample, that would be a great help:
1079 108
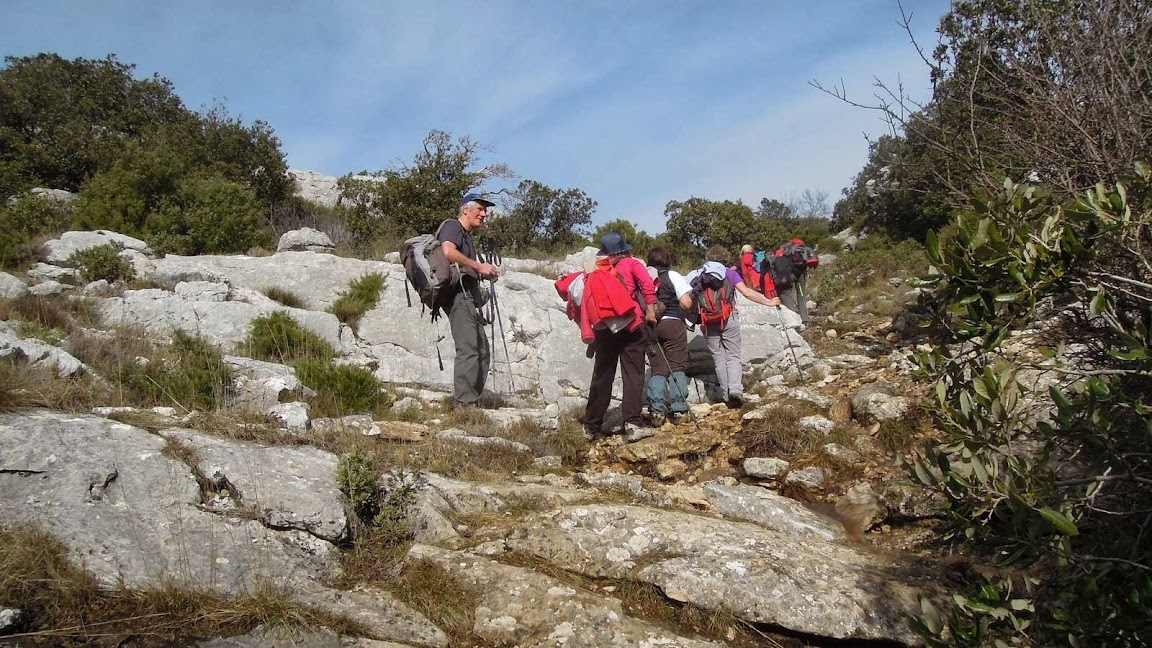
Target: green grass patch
279 338
188 374
362 296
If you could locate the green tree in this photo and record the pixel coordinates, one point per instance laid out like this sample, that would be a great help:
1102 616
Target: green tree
123 197
772 209
63 120
249 155
416 197
1063 499
641 241
899 190
697 223
544 218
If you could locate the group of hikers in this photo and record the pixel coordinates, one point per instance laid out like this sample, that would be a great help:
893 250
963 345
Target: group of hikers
627 311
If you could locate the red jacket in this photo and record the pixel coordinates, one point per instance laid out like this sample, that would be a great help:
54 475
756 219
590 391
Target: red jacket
608 293
748 270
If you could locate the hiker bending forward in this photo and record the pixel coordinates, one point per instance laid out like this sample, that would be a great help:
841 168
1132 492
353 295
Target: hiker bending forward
473 355
667 390
623 342
724 340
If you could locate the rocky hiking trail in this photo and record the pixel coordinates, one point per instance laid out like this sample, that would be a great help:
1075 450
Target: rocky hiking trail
787 522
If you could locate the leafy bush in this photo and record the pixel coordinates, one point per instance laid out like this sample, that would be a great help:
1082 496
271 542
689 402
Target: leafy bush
209 215
101 262
342 389
387 516
26 220
1063 499
279 338
361 297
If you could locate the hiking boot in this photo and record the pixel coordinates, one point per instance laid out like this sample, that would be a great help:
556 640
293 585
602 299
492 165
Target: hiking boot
676 418
592 436
633 432
735 401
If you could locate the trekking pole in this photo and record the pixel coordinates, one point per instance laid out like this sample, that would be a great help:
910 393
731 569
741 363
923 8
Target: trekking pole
495 259
788 340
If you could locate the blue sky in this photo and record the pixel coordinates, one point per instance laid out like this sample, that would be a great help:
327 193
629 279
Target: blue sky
636 102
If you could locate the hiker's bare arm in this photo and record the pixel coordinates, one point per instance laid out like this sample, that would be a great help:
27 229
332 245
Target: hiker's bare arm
453 254
650 314
752 295
686 300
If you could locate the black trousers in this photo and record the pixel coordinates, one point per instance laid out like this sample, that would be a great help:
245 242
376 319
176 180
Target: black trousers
627 348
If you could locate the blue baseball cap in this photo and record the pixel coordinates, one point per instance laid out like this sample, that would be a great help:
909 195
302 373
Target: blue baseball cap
477 198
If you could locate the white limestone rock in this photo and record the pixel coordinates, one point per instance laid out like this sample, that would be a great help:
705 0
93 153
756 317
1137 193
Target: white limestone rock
42 272
874 402
765 467
305 239
293 416
11 287
37 353
69 243
771 511
761 576
811 478
816 424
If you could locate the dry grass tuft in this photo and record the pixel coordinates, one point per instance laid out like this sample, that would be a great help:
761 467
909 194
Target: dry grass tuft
243 425
23 386
566 442
373 558
447 601
284 297
780 434
47 312
472 462
67 607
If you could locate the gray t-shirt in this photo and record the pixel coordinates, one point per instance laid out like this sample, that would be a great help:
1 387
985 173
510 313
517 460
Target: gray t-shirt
452 230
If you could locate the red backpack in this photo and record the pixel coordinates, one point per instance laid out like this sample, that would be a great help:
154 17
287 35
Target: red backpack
713 301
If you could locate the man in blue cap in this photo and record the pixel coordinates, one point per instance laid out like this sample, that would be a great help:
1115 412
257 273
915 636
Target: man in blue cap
473 355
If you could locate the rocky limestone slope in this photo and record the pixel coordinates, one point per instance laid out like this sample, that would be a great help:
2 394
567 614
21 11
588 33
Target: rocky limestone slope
787 517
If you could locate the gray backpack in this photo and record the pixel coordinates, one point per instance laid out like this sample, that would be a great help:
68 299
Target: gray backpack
428 271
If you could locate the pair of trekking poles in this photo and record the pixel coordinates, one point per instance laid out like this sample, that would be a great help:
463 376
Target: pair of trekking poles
490 253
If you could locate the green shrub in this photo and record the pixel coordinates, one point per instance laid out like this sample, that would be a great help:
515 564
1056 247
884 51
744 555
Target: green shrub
283 296
279 338
209 215
342 389
192 373
101 262
26 220
1061 500
356 477
361 297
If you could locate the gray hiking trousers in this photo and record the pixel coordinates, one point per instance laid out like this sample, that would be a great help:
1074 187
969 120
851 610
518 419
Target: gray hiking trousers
725 348
473 354
795 298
